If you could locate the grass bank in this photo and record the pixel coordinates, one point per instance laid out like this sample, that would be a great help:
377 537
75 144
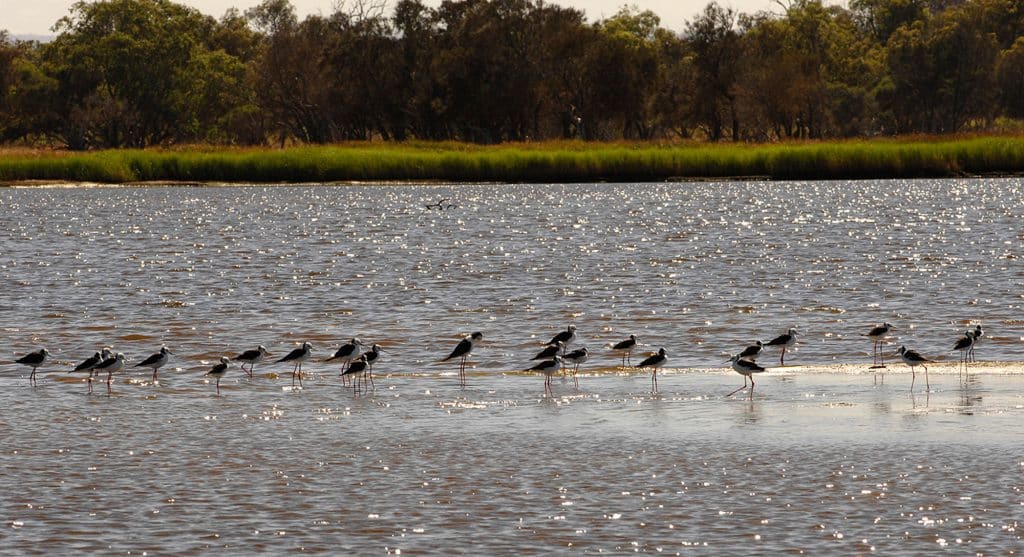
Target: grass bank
546 162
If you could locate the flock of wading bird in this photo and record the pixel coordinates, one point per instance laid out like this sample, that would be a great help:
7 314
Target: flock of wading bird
357 364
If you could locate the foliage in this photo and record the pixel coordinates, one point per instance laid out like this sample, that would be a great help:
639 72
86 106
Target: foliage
562 161
145 73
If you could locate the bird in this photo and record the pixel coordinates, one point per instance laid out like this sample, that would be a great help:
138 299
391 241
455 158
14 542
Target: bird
347 353
566 337
371 356
34 360
298 356
357 369
964 345
978 332
111 366
218 371
548 367
752 352
626 347
877 336
785 341
441 204
576 357
251 357
156 361
654 362
462 350
549 351
913 359
89 365
746 368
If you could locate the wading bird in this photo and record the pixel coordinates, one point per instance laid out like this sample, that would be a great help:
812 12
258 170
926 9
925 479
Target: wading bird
548 368
785 341
654 362
626 347
156 361
746 368
111 366
218 371
462 350
913 359
251 357
298 356
566 337
34 360
877 337
89 365
577 357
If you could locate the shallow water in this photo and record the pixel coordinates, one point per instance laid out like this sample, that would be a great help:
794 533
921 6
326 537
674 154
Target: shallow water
822 458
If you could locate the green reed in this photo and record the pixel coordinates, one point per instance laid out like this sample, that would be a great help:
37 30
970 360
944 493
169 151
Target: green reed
545 162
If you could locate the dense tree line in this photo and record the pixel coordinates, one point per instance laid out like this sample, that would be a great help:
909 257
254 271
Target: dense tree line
135 73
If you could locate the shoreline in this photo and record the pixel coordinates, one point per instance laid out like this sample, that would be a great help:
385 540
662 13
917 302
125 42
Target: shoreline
554 162
68 184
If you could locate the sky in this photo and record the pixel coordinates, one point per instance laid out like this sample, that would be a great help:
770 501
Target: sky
36 17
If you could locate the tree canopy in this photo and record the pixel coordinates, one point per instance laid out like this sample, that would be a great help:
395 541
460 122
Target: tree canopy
138 73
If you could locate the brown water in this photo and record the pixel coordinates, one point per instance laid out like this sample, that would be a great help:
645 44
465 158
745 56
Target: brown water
825 458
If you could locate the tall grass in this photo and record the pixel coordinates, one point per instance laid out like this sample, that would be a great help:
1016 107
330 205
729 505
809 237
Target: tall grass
546 162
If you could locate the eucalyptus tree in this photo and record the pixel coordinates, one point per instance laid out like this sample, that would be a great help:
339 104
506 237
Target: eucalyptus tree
1010 79
806 73
288 71
629 71
24 90
120 65
941 70
717 51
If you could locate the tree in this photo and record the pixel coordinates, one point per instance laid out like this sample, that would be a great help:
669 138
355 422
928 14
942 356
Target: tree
1010 79
941 71
125 61
715 43
629 70
881 18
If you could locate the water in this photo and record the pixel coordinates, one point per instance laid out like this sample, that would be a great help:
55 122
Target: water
823 457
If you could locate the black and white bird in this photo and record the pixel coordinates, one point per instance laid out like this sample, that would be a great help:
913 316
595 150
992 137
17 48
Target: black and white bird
746 368
752 352
626 348
785 341
218 370
371 356
34 360
548 368
156 361
978 332
566 337
251 357
110 366
90 363
913 359
576 357
549 351
462 351
296 357
964 345
356 370
347 353
877 336
654 362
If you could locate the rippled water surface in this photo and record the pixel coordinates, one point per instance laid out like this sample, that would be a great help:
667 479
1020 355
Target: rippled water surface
823 457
